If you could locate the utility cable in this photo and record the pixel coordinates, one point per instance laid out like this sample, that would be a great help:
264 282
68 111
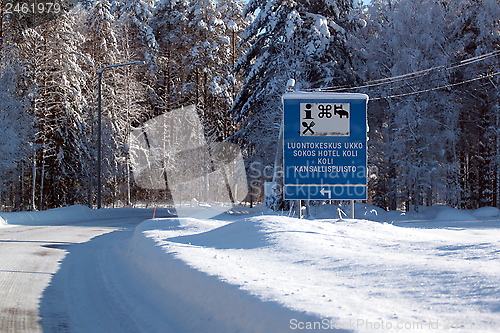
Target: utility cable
437 88
411 76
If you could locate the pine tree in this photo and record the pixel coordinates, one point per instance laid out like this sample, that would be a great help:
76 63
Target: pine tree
101 43
16 123
304 40
209 59
136 32
15 135
110 43
234 26
196 52
133 86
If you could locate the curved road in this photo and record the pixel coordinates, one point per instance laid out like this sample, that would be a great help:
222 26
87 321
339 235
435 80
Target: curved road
64 279
94 277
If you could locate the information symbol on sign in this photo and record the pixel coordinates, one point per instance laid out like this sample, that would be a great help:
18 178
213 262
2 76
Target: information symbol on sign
334 119
308 112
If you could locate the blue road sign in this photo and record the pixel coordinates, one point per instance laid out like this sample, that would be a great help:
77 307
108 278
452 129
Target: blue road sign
324 146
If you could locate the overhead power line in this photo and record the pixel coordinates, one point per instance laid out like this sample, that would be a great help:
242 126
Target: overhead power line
437 88
418 74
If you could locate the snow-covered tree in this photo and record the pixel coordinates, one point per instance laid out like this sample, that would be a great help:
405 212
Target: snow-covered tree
132 93
136 32
476 34
412 127
112 42
15 131
16 123
58 108
430 68
433 133
101 43
234 26
197 48
299 39
209 61
169 25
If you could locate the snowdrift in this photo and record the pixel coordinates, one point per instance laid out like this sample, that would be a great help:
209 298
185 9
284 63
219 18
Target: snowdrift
49 217
354 275
431 270
425 213
201 302
79 213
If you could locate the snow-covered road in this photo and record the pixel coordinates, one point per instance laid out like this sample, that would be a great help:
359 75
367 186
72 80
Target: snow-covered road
30 257
93 291
26 267
74 270
60 272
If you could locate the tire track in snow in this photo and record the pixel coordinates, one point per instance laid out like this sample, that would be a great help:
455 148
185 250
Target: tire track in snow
24 270
94 292
29 258
77 299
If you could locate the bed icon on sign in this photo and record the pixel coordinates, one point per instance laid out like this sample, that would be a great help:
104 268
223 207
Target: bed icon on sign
325 119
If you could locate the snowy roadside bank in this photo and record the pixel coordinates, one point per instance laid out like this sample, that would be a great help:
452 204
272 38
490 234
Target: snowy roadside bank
428 214
356 275
199 301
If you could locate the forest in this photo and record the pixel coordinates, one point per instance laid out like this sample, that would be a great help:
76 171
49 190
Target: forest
430 67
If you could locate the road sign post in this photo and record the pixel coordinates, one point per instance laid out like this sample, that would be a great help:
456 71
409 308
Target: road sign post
324 146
